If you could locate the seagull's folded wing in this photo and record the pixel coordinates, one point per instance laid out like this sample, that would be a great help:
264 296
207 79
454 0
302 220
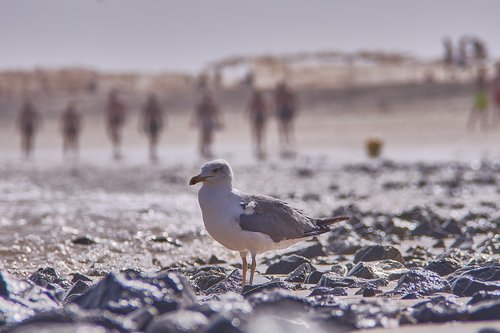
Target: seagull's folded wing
276 219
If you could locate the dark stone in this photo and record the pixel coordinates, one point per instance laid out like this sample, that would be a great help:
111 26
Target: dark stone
437 310
232 282
166 239
489 310
319 291
387 269
142 317
274 284
78 276
223 324
421 282
84 240
123 293
378 252
467 286
48 278
78 288
309 250
370 292
429 223
204 279
332 280
341 269
489 271
278 300
482 296
213 260
463 242
286 264
314 277
182 321
368 314
231 304
443 266
300 274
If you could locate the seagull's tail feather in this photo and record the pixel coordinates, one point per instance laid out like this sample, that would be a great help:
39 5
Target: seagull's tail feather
331 220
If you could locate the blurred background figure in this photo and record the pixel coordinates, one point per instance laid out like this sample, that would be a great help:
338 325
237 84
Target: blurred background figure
117 114
28 122
286 104
151 122
479 112
257 110
208 119
448 57
71 123
496 96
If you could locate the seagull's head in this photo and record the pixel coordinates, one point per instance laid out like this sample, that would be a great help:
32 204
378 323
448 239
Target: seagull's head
214 173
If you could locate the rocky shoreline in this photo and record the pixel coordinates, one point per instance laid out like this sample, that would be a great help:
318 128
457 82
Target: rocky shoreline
383 268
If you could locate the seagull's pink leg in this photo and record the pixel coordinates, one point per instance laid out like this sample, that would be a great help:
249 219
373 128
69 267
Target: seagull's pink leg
244 268
252 268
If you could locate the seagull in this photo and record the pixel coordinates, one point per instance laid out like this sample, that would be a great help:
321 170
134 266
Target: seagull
250 223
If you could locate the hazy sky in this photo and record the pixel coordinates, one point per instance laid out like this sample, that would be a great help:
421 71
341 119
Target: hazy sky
186 34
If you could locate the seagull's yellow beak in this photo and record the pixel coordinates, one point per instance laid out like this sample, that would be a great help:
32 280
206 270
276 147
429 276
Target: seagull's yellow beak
196 179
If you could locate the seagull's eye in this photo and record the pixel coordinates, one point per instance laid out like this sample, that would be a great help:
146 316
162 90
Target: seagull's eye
217 170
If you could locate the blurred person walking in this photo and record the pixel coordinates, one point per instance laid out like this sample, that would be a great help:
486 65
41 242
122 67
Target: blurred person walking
286 110
28 123
258 112
151 122
496 96
71 123
207 118
479 112
116 117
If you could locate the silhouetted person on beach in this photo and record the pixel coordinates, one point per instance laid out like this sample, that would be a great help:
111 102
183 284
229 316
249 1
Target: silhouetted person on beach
286 104
479 112
152 124
71 123
117 113
496 96
28 122
207 118
258 112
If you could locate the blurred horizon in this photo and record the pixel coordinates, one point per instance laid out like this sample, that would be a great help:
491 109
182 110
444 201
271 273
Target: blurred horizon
129 35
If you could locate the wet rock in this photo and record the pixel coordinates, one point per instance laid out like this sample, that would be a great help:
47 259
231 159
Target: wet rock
182 321
437 310
332 280
309 250
142 317
482 296
20 299
81 277
443 266
386 269
286 264
421 282
231 305
468 286
278 300
378 252
368 314
232 282
84 240
489 271
340 269
205 278
399 227
489 310
300 274
453 227
78 288
224 324
75 315
344 240
463 242
320 291
314 277
213 260
48 278
429 223
368 292
123 293
274 284
491 245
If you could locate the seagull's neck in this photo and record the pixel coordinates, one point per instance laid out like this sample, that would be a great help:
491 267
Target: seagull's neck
220 186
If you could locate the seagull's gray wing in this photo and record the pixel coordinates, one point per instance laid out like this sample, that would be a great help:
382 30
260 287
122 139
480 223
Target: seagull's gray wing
276 219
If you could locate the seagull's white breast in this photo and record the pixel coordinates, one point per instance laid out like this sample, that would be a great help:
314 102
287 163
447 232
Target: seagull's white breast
221 210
